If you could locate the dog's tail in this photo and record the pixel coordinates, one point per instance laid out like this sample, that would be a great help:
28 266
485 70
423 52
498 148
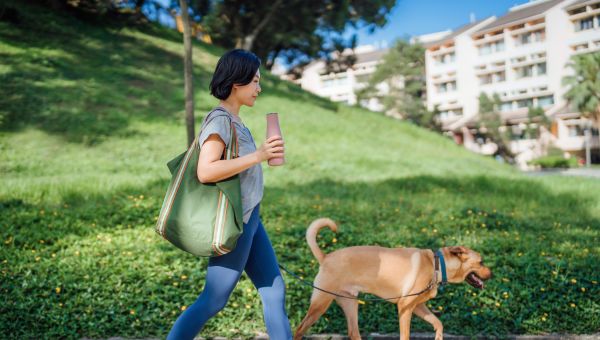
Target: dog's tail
311 235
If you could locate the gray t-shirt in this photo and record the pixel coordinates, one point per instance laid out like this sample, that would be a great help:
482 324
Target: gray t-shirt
251 179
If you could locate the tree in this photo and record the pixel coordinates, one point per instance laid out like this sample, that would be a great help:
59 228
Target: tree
296 30
403 73
584 86
110 12
490 122
187 61
544 138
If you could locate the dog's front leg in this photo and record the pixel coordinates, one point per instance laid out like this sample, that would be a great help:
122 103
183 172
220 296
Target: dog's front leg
424 313
405 315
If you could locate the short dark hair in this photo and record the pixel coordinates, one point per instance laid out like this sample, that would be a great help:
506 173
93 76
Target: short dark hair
234 67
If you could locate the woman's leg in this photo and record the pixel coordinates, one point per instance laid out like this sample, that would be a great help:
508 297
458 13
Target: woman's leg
263 270
222 275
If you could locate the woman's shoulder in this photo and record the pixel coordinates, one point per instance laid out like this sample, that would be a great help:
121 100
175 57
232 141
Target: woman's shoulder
218 113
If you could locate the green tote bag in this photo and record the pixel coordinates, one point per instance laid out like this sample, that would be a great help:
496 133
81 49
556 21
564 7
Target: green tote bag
203 219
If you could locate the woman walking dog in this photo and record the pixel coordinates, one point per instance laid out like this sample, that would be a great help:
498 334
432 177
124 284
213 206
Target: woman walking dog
236 82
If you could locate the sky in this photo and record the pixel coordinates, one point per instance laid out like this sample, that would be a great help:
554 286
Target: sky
417 17
409 18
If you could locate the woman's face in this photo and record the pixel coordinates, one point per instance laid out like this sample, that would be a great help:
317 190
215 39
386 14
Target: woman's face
247 94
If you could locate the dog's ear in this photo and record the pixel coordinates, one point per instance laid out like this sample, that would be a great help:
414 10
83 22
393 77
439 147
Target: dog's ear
460 252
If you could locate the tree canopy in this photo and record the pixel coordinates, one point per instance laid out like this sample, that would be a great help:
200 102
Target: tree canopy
297 30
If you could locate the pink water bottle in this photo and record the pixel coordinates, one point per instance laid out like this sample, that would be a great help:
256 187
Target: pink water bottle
273 129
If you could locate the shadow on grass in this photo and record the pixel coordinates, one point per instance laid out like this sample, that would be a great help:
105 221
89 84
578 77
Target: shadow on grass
86 82
521 217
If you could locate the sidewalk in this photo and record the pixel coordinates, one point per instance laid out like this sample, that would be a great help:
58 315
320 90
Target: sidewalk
413 336
586 172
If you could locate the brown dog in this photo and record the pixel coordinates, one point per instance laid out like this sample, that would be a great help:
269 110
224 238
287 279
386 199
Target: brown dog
387 273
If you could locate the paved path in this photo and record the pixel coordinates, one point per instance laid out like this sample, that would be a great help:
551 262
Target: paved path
413 336
586 172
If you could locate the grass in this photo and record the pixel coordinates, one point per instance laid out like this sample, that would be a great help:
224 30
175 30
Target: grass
92 115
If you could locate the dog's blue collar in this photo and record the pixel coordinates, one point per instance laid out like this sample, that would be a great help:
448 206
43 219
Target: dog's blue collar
440 265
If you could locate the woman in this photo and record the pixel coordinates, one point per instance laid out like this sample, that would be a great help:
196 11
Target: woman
236 83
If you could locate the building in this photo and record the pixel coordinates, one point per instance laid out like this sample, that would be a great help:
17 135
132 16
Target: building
342 86
522 56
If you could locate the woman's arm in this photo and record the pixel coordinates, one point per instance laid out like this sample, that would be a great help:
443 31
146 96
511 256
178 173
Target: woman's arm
212 169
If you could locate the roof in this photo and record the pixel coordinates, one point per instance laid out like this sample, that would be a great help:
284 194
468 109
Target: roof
520 14
370 56
452 35
579 3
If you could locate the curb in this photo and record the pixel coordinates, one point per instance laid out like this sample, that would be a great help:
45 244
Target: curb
413 336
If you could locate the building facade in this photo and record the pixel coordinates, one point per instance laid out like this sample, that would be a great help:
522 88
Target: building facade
342 86
522 56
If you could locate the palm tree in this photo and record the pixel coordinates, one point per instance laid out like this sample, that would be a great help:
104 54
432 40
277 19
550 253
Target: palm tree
584 86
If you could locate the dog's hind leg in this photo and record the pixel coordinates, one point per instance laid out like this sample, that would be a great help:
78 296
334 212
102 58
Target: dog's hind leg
319 303
350 308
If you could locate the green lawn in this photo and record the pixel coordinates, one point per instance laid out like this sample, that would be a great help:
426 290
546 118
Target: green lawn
89 118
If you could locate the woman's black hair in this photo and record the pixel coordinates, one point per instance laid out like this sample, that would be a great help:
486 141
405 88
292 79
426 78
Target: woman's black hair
234 67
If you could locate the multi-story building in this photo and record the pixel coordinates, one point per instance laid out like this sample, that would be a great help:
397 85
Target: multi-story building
342 86
522 56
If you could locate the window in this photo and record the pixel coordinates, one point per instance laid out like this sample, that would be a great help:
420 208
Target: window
518 60
584 24
541 69
341 81
485 79
531 70
447 87
450 114
485 49
531 37
500 76
545 101
499 45
492 78
332 82
575 130
506 106
363 78
496 46
525 71
525 103
538 56
448 58
445 58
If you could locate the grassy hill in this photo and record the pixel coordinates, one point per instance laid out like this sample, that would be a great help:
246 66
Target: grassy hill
90 115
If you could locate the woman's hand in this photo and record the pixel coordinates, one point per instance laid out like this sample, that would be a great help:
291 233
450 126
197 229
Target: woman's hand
271 148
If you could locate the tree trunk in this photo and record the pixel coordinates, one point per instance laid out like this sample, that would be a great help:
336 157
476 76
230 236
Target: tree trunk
248 40
269 63
187 71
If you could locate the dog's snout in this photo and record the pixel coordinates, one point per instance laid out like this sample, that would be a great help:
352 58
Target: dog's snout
487 273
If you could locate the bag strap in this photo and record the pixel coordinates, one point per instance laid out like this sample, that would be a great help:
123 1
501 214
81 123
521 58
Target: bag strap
232 150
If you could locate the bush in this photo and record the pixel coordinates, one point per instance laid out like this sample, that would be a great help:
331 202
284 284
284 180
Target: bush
555 162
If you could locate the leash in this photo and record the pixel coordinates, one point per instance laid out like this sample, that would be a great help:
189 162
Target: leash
438 255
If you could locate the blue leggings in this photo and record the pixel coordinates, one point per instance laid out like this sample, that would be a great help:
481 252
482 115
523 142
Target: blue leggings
254 254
